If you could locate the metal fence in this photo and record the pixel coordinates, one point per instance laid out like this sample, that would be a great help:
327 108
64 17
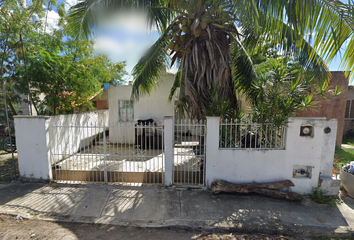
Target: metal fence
126 153
189 152
245 134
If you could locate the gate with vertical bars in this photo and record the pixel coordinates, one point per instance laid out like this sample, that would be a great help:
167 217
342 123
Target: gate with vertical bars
189 153
126 153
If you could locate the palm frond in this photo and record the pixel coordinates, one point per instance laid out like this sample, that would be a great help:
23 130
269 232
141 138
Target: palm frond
147 71
243 70
84 17
326 24
177 82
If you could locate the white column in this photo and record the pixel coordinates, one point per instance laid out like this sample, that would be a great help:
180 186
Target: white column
212 146
32 149
328 146
168 125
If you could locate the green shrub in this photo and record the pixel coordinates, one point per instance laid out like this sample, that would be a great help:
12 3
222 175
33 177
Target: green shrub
348 137
320 197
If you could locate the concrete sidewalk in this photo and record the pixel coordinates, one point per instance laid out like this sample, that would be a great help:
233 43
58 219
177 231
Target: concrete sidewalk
160 207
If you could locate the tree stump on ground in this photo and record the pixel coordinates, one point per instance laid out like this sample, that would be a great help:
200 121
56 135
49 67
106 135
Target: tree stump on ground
267 189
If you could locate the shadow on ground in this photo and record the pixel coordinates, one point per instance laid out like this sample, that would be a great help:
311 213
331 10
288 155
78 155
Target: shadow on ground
162 207
348 201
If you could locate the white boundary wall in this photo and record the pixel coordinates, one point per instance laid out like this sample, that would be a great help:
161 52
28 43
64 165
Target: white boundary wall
32 149
68 140
34 143
250 165
238 166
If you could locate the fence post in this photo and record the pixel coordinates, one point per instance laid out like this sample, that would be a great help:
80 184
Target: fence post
168 124
212 146
32 146
104 152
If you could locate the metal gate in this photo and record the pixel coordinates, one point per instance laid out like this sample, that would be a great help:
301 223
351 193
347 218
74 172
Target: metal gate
189 152
126 153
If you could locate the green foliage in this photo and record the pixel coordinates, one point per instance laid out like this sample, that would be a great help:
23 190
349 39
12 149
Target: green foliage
222 42
343 156
348 137
63 72
223 108
283 89
319 196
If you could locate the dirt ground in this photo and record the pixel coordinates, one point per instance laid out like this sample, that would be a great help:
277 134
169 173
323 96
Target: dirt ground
10 228
7 173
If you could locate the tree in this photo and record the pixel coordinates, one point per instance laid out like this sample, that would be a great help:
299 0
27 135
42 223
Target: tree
69 74
16 18
34 62
209 41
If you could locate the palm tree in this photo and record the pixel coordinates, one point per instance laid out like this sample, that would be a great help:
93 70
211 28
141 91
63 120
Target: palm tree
209 41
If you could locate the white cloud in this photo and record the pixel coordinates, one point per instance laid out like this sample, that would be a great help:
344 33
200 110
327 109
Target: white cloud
134 22
52 21
127 48
70 3
108 45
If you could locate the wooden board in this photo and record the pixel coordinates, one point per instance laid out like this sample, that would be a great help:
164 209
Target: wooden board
127 177
98 176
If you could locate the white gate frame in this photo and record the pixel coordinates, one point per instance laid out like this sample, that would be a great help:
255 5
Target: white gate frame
168 124
74 145
171 155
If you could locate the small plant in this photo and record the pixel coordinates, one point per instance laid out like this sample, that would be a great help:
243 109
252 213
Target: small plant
320 197
138 227
31 213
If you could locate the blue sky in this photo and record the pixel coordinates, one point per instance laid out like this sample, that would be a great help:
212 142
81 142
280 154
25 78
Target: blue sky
126 37
123 38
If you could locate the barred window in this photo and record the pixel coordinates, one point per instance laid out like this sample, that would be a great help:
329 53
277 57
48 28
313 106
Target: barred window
126 110
349 109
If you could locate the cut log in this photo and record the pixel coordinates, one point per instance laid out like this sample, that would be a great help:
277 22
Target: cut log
266 189
225 186
290 196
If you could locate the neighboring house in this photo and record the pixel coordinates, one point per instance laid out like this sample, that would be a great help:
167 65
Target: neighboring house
154 105
122 151
101 102
333 106
25 106
349 111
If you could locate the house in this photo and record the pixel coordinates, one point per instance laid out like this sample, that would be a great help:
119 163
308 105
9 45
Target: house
332 106
101 102
154 105
349 111
114 148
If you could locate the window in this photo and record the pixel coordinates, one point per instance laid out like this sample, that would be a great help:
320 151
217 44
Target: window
126 110
349 109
